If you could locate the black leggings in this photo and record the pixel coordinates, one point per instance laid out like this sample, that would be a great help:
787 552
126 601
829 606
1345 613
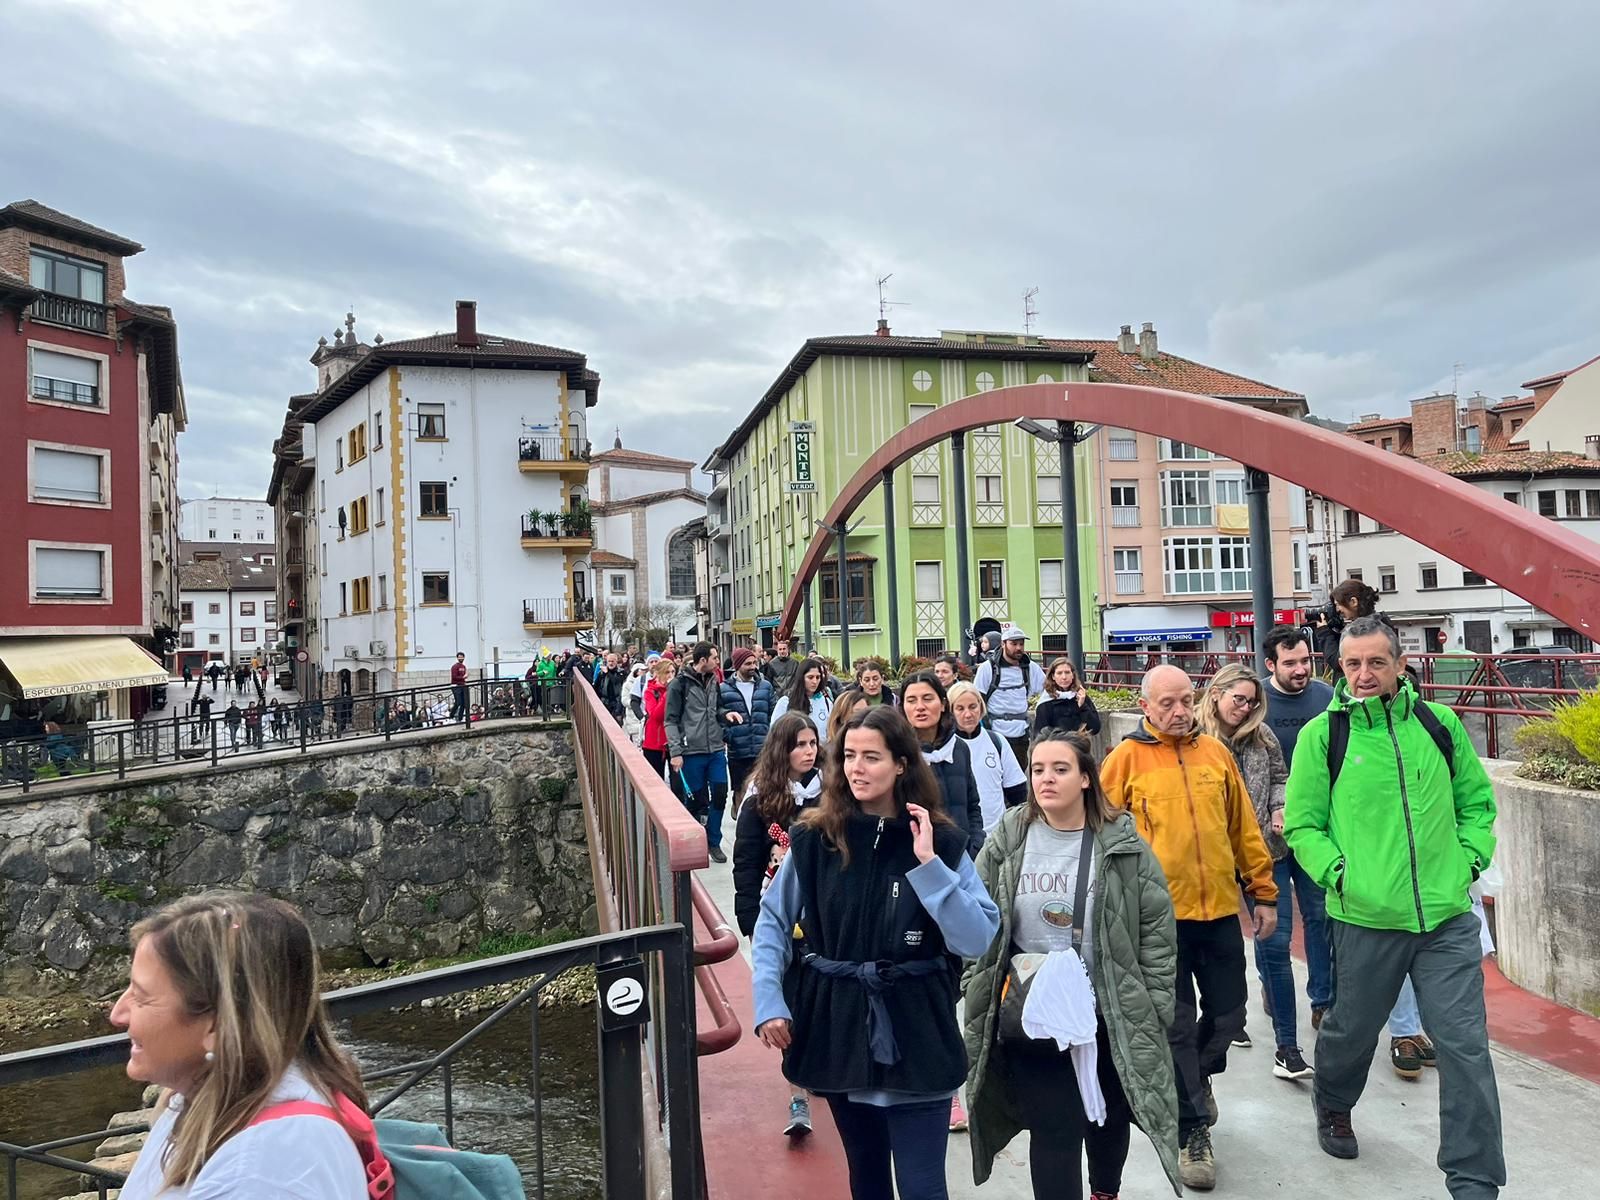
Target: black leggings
1045 1087
658 760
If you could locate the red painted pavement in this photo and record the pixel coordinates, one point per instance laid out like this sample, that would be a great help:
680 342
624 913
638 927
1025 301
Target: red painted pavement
744 1103
1521 1021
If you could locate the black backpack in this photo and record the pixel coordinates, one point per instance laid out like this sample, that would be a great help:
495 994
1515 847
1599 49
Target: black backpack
1339 738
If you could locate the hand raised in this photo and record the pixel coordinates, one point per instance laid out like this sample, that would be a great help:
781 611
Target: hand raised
921 832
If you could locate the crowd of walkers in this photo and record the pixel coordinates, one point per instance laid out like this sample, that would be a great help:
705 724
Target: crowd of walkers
947 893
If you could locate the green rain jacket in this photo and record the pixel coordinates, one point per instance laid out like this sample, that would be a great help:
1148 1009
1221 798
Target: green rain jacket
1398 842
1135 966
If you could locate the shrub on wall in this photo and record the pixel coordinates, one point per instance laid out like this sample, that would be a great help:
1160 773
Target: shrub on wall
1564 748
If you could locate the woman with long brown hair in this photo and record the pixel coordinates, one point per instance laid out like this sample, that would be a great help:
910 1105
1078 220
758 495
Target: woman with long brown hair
784 780
223 1012
1086 929
879 881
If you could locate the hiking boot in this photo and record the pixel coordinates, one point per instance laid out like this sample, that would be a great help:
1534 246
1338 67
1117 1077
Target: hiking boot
799 1118
1197 1162
717 855
1316 1018
958 1115
1334 1133
1406 1056
1425 1051
1289 1063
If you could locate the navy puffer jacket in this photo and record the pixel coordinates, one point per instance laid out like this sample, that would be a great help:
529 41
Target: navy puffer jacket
745 738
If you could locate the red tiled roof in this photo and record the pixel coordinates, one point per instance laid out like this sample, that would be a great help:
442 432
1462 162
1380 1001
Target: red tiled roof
1111 365
1513 402
1514 462
1379 423
641 458
489 345
32 214
604 558
1558 376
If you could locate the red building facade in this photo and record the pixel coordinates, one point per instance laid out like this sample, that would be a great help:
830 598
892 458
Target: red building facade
90 398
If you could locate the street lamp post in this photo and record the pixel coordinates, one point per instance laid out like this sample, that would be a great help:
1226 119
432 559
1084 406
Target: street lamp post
303 670
1067 435
1257 490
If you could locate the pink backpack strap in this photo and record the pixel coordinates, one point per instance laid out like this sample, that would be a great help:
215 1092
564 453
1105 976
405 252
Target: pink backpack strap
355 1122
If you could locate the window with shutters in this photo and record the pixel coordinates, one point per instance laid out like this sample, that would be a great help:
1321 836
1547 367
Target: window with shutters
69 571
72 379
69 475
929 581
1051 586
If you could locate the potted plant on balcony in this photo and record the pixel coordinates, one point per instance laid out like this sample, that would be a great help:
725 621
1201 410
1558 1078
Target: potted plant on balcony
534 522
578 519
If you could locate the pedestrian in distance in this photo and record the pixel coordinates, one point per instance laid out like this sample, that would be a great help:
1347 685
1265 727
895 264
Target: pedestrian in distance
1390 809
252 725
784 781
1064 842
945 668
1294 696
745 706
781 668
188 675
695 743
214 671
1008 680
458 687
807 694
949 755
1000 779
850 703
1350 600
653 741
1188 801
1066 704
231 720
1233 710
202 725
870 683
223 1013
878 878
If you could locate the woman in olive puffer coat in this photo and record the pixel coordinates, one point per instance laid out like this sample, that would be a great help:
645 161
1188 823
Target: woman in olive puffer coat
1132 963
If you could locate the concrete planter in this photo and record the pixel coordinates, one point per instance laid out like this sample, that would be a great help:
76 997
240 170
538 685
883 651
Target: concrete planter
1548 913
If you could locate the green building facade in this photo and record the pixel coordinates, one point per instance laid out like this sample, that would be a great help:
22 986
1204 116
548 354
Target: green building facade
857 392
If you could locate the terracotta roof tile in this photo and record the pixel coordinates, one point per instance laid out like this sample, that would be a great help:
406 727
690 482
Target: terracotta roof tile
1379 423
643 458
1111 365
1514 462
604 558
1558 376
32 213
1513 402
489 345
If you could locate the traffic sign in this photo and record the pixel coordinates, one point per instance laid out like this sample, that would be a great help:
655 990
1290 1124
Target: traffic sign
302 656
624 994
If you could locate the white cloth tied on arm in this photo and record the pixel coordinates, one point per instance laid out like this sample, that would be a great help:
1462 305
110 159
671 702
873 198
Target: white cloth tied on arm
1060 1005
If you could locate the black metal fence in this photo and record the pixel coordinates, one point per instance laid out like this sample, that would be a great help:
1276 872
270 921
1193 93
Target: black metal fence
657 954
552 448
207 734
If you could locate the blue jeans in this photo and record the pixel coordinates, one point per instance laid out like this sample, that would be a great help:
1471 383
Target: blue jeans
1272 954
908 1139
705 783
1405 1020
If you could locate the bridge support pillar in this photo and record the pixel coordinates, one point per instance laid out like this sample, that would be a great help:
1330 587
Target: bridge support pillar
1257 489
1070 437
892 578
958 463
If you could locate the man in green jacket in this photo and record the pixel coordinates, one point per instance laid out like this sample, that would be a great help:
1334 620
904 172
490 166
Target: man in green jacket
1396 836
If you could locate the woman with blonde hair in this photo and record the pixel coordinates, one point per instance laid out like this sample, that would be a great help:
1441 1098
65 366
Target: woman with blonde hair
995 769
223 1012
1085 922
1233 709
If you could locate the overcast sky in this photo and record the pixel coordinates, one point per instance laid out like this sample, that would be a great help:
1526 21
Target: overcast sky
1345 199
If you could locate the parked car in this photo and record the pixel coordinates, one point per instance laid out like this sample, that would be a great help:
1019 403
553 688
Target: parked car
1548 667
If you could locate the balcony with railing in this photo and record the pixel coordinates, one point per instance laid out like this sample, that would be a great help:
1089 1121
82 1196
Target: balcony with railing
558 530
294 558
69 311
555 613
553 452
1125 516
1129 583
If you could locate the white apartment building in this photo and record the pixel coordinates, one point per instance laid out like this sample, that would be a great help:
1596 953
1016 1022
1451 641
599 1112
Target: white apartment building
648 539
225 519
448 505
1438 605
227 609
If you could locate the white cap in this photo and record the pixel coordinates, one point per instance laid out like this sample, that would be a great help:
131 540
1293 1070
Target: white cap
1013 633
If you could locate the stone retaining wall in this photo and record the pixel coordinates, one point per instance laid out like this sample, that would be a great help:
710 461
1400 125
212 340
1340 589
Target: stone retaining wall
402 849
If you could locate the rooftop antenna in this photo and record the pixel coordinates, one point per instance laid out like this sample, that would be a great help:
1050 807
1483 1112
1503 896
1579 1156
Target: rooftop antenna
1030 310
1455 385
885 304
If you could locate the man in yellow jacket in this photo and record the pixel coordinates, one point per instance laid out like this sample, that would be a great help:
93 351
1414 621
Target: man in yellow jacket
1189 802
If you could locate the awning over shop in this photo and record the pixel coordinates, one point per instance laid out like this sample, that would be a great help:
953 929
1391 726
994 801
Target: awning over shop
1159 635
66 666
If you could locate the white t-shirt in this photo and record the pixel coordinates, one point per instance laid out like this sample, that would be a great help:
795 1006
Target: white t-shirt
994 769
291 1158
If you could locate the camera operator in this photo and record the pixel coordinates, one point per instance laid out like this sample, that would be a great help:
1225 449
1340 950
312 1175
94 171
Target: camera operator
1347 602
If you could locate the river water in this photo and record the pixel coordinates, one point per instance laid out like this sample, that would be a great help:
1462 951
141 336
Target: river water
492 1090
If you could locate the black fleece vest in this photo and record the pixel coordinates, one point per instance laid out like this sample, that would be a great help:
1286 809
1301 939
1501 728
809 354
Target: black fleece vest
868 912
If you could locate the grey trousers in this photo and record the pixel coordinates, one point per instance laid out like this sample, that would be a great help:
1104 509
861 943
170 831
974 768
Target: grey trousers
1446 968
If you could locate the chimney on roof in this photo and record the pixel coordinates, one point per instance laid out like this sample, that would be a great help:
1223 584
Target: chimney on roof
1591 447
466 322
1365 417
883 327
1125 343
1147 341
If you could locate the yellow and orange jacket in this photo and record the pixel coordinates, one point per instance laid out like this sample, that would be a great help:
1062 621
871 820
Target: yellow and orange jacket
1189 802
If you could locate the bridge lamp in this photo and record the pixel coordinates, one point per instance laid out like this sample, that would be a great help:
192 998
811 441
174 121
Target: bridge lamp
1067 434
